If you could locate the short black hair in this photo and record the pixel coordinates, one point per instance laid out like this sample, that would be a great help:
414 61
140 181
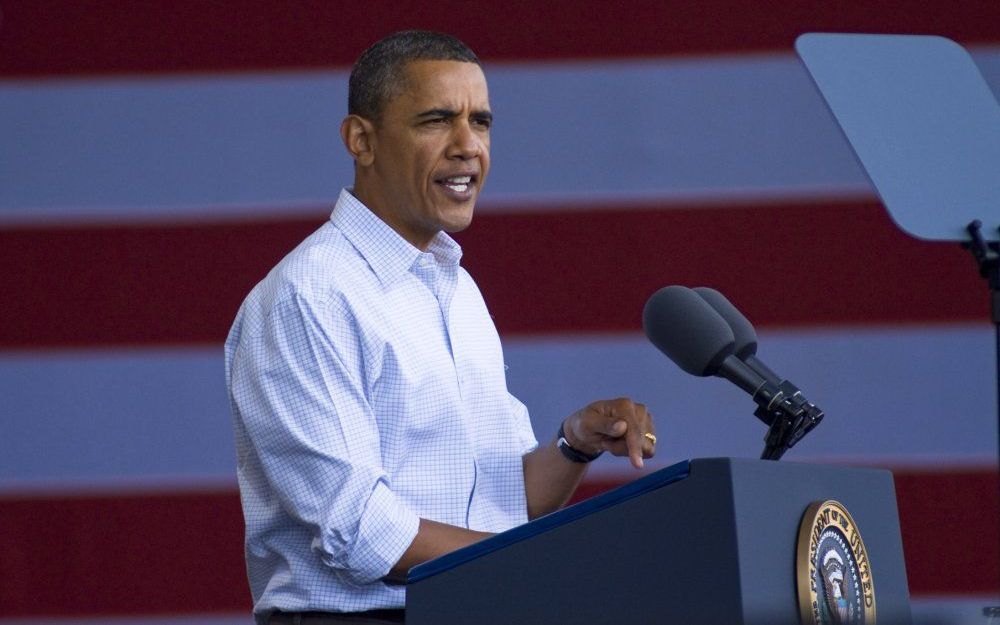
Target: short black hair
378 75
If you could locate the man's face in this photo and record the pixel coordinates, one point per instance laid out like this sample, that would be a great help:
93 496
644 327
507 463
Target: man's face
431 151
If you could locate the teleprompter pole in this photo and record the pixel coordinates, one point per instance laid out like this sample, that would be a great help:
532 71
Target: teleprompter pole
987 256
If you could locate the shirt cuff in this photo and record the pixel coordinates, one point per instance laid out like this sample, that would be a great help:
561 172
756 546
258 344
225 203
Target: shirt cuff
386 531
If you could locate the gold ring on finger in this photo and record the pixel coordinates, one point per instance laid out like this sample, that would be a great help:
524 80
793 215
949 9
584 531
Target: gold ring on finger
651 437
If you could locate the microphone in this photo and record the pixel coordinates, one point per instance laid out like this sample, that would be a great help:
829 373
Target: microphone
745 348
745 338
691 333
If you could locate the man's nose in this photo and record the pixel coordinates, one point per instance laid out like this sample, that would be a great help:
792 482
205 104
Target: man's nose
465 144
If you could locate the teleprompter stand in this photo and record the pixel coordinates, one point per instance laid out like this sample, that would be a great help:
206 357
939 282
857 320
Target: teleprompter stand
987 257
926 128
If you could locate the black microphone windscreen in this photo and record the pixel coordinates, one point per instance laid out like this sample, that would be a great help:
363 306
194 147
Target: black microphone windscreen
743 332
685 328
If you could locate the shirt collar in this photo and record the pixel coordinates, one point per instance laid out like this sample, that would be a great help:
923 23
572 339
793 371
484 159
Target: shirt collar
386 252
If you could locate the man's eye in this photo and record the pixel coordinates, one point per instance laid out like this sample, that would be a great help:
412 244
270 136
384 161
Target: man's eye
483 123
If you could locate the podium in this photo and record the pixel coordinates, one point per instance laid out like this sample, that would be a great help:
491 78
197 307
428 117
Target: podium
703 541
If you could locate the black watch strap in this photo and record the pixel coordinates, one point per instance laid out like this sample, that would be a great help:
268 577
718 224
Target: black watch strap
574 455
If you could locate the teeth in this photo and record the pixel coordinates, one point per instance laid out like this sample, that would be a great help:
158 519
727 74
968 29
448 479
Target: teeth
459 184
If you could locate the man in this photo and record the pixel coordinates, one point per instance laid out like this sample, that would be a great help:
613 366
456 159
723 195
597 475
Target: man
373 424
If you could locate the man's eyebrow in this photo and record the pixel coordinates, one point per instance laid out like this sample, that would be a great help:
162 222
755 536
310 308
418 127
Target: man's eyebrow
446 113
450 114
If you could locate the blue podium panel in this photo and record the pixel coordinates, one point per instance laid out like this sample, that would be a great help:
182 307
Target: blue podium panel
710 541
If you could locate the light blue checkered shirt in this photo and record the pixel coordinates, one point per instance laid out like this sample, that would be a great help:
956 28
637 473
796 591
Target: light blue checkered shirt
367 387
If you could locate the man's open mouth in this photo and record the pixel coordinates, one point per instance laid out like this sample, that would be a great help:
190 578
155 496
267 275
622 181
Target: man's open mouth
458 184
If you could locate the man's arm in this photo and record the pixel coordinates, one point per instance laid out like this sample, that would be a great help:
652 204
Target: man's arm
308 438
618 426
433 539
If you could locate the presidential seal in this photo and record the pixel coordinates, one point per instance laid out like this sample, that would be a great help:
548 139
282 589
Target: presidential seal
834 575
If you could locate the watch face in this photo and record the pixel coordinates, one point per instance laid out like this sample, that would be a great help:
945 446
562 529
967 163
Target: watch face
573 454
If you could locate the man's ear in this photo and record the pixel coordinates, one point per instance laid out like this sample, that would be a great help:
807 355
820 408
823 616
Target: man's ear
357 135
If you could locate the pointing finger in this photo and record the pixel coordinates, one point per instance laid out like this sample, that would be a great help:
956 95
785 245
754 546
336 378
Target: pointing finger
633 434
635 440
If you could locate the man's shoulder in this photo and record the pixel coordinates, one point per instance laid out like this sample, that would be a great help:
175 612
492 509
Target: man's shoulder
468 287
320 265
316 273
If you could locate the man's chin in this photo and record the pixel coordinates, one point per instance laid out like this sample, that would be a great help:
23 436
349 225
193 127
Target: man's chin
458 219
453 227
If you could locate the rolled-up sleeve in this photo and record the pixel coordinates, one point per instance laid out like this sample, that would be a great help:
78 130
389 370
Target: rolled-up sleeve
297 384
522 425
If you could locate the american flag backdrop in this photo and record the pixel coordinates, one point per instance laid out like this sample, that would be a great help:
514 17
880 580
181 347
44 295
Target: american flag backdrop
157 158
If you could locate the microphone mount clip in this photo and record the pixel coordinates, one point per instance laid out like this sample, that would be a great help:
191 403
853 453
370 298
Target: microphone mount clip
787 424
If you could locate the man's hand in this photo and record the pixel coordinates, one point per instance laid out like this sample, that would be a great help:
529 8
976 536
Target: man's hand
619 426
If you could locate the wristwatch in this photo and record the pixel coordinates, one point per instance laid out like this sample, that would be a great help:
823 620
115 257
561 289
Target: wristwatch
574 455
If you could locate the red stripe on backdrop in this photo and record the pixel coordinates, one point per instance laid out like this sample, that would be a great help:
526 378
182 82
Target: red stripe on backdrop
59 37
139 554
174 553
541 272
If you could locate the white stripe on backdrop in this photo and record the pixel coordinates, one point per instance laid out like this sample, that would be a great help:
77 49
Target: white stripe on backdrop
158 418
677 130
